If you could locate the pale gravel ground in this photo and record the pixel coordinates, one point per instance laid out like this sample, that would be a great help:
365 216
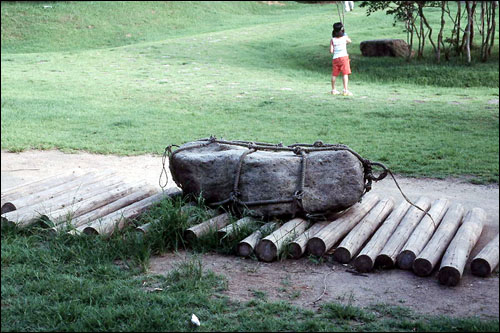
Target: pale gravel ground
301 281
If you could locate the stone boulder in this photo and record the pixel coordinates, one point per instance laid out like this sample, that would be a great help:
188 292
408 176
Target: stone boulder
334 180
384 47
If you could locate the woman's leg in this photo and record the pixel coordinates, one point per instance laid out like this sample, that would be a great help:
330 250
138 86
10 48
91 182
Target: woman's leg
334 78
345 79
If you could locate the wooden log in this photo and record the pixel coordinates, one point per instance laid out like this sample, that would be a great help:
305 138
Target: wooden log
270 246
116 220
355 239
422 233
365 261
433 251
213 224
94 214
299 245
55 192
233 228
246 246
36 186
486 260
28 215
455 257
387 257
333 232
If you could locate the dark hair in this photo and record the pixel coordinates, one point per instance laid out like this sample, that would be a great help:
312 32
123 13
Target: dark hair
338 29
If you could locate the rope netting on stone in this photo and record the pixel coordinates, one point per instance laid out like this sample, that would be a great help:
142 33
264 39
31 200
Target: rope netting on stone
300 149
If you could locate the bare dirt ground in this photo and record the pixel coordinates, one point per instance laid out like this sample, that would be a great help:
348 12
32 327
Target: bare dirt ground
303 281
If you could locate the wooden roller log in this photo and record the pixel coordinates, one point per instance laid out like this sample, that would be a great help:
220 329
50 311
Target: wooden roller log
365 261
94 214
299 245
246 246
270 246
333 232
33 187
28 215
422 233
116 220
235 227
387 257
355 239
213 224
455 257
485 261
42 200
432 252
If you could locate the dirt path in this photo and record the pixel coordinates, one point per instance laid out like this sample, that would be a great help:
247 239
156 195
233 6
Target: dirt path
302 281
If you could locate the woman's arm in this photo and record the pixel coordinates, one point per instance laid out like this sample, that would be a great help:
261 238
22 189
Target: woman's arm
348 40
331 45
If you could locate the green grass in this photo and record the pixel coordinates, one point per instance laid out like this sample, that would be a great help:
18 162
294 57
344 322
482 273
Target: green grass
85 283
241 71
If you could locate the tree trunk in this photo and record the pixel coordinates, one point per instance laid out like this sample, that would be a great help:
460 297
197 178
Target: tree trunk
333 232
422 234
299 245
433 251
468 32
205 227
353 242
235 227
247 246
387 256
486 260
455 257
366 258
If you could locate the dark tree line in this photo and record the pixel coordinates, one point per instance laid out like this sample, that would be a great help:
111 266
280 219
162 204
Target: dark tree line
473 26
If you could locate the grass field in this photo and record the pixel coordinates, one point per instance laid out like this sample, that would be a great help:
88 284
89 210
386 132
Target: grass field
133 77
88 77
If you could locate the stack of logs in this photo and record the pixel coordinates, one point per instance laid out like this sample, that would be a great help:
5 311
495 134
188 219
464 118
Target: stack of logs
373 233
91 202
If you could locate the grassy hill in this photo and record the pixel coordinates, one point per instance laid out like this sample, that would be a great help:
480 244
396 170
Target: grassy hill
133 77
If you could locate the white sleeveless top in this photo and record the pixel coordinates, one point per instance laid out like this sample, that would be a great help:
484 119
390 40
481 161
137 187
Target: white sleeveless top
339 47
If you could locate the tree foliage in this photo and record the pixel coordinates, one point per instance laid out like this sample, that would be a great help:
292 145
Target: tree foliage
479 17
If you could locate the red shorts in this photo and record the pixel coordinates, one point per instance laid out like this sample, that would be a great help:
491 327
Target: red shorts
341 64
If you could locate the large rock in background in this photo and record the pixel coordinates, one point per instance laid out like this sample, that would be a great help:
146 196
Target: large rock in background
384 47
334 179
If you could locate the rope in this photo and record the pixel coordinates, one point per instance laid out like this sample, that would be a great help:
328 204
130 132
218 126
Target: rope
299 149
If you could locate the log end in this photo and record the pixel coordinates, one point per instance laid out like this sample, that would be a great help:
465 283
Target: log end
405 259
422 267
316 246
8 207
363 263
90 231
266 250
245 249
190 236
384 261
295 250
342 255
480 267
449 276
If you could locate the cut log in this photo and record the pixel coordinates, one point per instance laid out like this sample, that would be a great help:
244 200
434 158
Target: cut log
299 245
235 227
246 246
269 247
455 257
365 261
433 251
422 233
28 215
485 261
33 187
52 191
333 232
213 224
355 239
116 220
145 227
387 257
94 214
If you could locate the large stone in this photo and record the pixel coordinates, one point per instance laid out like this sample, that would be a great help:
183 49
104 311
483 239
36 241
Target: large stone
384 47
334 179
